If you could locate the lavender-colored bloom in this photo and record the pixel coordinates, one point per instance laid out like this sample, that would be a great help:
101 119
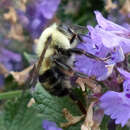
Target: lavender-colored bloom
11 60
107 38
23 19
37 15
117 104
126 25
94 45
108 25
100 38
48 125
120 36
48 8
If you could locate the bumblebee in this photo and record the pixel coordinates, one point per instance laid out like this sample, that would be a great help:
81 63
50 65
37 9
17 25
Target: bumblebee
57 45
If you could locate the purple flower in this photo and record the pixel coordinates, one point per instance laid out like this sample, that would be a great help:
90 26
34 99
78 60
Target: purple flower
94 45
117 104
11 60
108 25
118 35
47 8
107 38
126 25
37 15
48 125
23 19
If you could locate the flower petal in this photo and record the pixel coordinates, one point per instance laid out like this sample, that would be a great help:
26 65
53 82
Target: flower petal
108 25
114 105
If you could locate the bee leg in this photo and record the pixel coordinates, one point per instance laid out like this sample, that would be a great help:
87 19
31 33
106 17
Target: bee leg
76 36
62 65
73 38
37 68
69 69
82 52
80 38
79 74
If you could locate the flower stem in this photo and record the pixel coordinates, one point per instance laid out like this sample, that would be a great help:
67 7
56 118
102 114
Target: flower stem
11 94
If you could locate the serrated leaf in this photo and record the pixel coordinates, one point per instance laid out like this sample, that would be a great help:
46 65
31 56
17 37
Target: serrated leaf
51 107
17 116
14 112
2 126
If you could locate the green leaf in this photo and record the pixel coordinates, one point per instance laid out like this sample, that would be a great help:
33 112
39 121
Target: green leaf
10 94
10 83
14 111
17 116
51 107
2 126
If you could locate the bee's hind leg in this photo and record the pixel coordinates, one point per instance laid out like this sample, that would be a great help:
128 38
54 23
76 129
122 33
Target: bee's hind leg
68 69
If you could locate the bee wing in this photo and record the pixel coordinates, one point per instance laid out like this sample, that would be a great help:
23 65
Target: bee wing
78 28
79 31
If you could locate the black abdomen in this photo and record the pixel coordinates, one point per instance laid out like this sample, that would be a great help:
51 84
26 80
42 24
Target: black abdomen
54 81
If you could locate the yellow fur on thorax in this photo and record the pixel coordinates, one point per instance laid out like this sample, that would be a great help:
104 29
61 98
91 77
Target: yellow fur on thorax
58 39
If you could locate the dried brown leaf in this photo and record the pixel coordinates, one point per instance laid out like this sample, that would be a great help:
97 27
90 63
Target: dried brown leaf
23 5
21 77
70 118
92 84
97 119
11 15
109 5
126 7
31 102
36 41
3 70
120 79
16 32
88 123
